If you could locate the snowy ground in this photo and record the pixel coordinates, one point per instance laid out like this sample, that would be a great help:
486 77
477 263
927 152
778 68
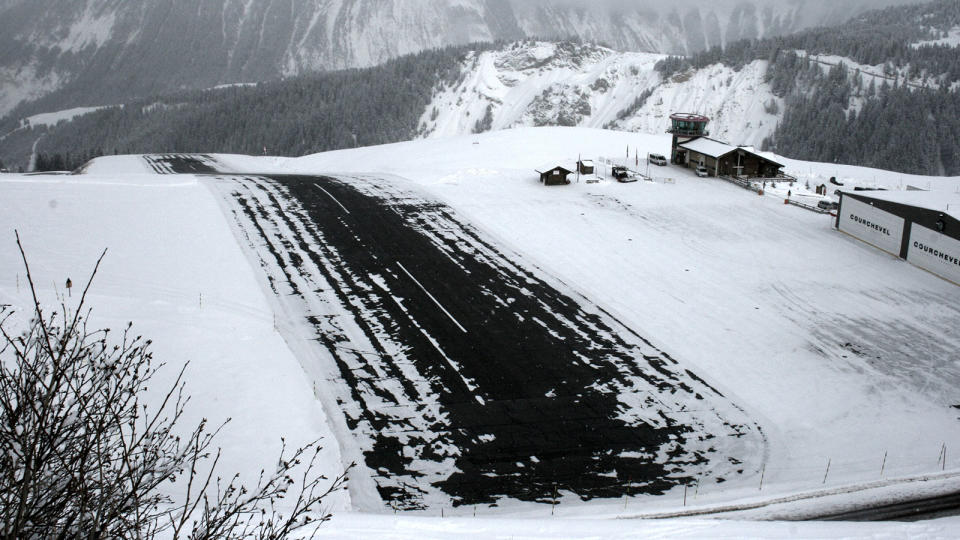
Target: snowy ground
839 352
174 269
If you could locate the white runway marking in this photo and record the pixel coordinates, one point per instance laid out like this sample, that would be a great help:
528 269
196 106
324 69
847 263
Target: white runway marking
435 301
332 197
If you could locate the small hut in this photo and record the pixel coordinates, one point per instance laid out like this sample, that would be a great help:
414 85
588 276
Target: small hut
554 176
585 166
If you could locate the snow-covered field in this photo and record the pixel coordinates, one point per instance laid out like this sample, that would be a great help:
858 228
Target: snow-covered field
174 269
843 355
54 118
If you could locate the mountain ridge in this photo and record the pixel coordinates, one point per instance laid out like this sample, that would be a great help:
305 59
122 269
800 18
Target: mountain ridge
97 52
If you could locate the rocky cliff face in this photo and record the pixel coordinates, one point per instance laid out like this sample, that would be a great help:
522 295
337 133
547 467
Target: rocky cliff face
89 52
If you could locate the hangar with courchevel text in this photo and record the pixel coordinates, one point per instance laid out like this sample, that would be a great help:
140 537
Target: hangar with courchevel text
922 227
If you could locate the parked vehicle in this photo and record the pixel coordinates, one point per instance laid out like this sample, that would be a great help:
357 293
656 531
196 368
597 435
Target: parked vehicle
622 174
702 171
827 205
657 159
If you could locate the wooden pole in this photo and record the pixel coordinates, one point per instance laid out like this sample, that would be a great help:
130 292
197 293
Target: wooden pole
762 472
884 464
828 471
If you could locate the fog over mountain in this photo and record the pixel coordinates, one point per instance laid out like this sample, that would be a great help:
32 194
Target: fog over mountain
89 52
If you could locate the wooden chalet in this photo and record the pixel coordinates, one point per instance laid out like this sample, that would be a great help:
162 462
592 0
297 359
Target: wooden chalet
722 159
554 176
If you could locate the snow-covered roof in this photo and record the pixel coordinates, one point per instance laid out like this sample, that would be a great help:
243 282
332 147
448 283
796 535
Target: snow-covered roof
587 162
938 201
715 149
553 165
709 147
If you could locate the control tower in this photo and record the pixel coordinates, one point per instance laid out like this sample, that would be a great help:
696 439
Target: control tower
685 127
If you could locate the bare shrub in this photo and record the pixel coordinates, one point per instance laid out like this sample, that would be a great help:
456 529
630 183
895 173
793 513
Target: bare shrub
82 455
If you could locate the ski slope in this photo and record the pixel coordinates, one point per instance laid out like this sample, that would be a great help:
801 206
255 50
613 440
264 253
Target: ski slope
804 328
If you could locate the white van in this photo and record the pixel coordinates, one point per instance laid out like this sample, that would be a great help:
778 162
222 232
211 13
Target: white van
657 159
702 171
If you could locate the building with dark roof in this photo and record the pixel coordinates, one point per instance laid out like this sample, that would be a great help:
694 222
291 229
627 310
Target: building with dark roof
554 176
693 147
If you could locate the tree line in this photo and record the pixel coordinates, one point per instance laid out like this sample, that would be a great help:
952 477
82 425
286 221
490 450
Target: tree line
909 121
297 116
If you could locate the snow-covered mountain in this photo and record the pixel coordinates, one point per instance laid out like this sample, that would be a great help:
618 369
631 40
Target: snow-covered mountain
103 51
540 83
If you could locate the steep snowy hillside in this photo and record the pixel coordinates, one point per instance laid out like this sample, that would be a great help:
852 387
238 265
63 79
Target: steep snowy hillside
539 84
101 51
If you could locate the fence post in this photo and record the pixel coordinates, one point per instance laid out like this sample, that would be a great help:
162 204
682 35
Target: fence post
884 464
828 470
762 472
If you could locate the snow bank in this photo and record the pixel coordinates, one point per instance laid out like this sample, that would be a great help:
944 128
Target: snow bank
364 526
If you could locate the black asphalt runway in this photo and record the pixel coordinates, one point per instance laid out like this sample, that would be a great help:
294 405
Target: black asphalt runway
516 354
540 391
531 383
181 163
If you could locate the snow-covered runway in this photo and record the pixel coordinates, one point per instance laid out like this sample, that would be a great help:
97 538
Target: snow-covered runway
465 375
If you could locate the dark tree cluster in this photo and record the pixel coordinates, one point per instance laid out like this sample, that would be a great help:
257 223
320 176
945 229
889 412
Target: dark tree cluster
57 161
897 127
887 36
906 118
296 116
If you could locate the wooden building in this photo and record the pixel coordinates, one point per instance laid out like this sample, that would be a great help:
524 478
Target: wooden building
554 176
585 166
692 147
722 159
